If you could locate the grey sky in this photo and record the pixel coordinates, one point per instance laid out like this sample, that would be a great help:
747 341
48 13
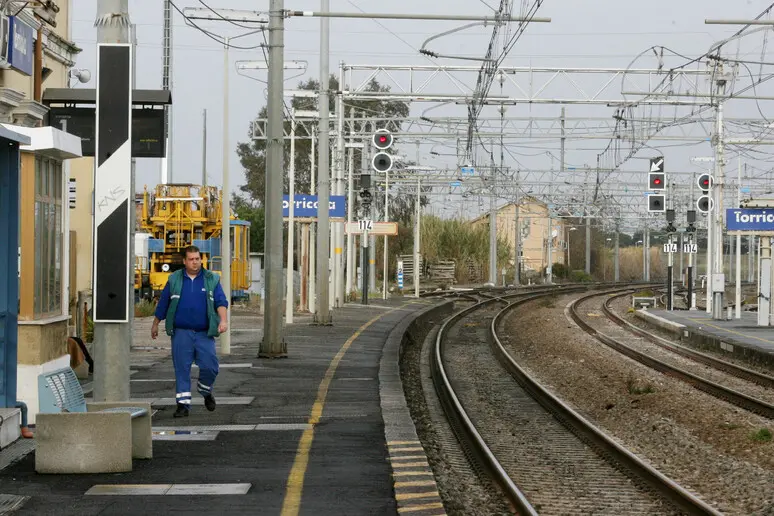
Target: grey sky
598 33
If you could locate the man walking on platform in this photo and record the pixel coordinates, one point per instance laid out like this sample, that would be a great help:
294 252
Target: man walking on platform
195 308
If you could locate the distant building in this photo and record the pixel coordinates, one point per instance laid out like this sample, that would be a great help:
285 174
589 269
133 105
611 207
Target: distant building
536 237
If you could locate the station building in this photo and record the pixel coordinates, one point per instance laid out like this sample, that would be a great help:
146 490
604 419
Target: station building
536 236
36 53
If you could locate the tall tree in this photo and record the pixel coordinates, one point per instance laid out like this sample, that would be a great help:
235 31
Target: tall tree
252 154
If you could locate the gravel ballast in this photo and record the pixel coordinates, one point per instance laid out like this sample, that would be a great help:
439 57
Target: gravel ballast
705 444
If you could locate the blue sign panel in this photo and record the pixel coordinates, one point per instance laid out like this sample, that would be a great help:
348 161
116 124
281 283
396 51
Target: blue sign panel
750 219
20 45
305 206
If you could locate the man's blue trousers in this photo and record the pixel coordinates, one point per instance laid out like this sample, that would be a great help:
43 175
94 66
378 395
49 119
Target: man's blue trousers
189 346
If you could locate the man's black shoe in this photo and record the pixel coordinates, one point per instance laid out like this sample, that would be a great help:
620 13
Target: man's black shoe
182 411
209 402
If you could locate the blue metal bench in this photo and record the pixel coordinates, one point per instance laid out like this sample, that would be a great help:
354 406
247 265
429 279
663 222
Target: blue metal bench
73 436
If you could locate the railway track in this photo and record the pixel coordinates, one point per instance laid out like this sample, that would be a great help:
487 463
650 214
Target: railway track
693 372
544 456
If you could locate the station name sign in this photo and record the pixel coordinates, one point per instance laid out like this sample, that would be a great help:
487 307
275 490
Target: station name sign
750 220
305 206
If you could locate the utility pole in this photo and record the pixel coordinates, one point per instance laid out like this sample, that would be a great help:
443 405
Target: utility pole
290 298
312 230
417 233
350 211
166 85
617 266
588 236
113 341
324 234
718 277
493 228
225 203
739 246
204 148
339 226
273 344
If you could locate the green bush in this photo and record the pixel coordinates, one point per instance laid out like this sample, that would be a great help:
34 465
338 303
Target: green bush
89 336
144 308
560 270
580 277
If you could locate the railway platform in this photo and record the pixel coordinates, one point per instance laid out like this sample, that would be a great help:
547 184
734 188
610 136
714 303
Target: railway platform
324 431
740 338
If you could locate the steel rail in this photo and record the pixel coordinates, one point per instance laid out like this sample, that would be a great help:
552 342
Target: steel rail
708 360
714 389
589 433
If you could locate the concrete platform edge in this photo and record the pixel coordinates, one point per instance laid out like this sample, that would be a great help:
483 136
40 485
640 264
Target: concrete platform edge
399 430
705 340
664 324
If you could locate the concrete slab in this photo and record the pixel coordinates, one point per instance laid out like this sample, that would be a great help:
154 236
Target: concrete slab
10 421
15 452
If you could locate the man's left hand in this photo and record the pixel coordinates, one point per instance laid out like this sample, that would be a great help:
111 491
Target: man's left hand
222 327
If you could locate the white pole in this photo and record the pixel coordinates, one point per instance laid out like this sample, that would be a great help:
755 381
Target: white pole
350 236
739 247
225 338
312 234
289 294
385 258
417 228
710 229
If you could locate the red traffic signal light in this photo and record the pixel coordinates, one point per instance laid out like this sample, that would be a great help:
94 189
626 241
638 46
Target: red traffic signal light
705 182
382 139
656 181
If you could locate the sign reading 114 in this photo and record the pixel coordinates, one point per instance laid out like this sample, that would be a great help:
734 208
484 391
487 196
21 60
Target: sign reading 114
670 248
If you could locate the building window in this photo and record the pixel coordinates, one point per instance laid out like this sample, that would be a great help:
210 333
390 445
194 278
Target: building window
48 238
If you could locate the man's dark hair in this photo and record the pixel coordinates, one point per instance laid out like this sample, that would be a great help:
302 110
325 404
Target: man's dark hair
191 249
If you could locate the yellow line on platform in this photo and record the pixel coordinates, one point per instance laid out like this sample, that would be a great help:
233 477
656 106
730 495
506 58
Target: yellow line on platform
704 321
292 502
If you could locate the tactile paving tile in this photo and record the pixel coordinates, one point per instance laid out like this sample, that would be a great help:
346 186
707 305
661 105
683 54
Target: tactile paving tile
15 451
10 503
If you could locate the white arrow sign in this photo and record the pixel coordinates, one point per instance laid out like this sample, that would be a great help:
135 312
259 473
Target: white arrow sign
657 165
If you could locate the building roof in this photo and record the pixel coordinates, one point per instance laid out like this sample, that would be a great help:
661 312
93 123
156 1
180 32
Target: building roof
48 141
89 96
528 198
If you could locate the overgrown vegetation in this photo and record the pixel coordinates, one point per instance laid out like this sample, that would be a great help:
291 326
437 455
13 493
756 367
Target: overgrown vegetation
144 308
634 387
762 435
463 242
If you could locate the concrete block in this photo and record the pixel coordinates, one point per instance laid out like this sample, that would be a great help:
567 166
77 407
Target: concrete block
142 428
90 442
10 423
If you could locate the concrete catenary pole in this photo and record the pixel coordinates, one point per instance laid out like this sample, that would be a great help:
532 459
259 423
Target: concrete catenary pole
113 341
225 277
323 232
273 344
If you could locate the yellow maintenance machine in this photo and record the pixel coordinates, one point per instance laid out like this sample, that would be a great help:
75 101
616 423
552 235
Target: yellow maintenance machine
175 216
